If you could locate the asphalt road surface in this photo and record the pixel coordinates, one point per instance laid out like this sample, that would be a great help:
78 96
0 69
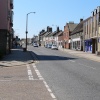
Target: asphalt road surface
69 77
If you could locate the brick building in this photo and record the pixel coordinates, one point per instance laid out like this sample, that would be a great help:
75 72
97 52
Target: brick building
68 28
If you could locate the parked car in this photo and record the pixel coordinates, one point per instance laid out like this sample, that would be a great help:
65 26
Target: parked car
49 45
46 46
35 44
54 47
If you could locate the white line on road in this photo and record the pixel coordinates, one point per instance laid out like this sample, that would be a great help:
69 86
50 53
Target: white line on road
71 60
45 83
82 64
30 76
86 66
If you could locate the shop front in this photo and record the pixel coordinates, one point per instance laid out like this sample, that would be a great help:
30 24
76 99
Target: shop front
88 45
76 44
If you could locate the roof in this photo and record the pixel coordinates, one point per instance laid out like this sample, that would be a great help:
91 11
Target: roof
79 27
57 33
60 33
47 34
71 26
41 34
54 33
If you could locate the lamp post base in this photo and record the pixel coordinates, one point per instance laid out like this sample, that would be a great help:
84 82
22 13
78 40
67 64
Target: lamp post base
24 50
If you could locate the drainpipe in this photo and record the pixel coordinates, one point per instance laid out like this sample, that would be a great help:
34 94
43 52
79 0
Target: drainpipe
97 31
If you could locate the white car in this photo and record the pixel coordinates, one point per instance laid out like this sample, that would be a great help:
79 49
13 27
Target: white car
49 45
54 47
46 46
35 45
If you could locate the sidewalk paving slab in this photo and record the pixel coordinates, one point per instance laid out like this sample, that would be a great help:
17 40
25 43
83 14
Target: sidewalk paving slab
82 54
16 58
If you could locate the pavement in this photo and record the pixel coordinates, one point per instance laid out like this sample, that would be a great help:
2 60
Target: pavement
82 54
16 58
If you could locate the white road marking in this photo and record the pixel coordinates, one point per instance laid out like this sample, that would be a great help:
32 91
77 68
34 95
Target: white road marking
86 66
45 83
71 60
82 64
30 76
53 96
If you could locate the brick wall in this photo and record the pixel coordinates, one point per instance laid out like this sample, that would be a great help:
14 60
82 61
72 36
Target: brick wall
66 36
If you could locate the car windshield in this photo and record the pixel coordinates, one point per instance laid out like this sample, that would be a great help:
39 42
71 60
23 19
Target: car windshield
54 45
50 44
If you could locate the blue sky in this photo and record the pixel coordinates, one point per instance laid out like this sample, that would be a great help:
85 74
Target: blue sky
48 13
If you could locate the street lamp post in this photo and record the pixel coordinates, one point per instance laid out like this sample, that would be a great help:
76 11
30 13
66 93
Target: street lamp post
27 26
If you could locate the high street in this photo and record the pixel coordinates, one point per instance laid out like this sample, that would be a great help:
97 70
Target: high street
45 74
69 77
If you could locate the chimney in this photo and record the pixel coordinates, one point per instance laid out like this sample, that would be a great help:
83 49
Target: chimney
81 20
57 29
50 29
71 22
47 28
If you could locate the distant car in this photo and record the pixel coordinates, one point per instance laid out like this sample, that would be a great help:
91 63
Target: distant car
54 47
49 45
35 44
46 46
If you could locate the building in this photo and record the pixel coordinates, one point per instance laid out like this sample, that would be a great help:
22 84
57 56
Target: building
92 32
43 35
6 24
46 38
77 37
55 36
68 28
60 39
34 39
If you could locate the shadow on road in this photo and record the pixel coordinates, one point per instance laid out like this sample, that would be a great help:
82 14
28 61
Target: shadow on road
50 57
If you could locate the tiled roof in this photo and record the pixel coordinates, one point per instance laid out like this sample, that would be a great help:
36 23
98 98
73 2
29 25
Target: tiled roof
48 33
54 33
42 34
57 33
60 33
79 27
71 26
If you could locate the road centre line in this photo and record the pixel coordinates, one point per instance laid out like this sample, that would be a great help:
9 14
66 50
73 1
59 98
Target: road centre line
87 66
30 76
71 60
45 83
82 64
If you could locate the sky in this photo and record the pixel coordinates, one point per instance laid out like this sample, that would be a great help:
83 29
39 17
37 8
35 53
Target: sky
51 13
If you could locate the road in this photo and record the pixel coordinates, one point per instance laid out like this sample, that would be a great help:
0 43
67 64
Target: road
69 77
